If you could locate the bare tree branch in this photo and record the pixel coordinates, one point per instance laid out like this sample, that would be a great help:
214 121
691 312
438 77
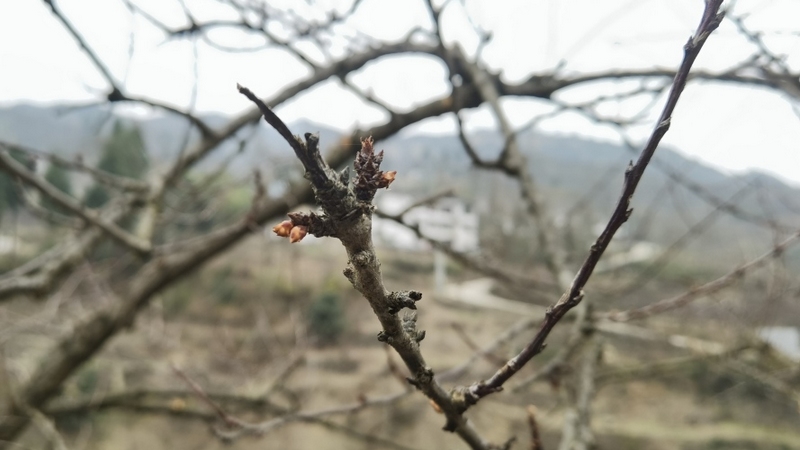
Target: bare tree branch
347 216
705 289
107 178
16 169
577 434
536 440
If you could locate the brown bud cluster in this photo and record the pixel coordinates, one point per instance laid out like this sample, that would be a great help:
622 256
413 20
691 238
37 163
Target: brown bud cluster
369 177
283 229
288 229
298 233
387 178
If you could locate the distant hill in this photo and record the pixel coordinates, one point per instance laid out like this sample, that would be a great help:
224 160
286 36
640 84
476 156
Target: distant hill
568 169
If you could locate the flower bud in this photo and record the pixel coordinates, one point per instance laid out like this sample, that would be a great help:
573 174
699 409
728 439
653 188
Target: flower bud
298 233
283 229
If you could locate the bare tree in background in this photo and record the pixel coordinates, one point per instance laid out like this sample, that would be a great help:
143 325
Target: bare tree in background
148 260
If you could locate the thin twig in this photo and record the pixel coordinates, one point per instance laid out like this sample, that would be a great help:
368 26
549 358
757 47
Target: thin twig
574 295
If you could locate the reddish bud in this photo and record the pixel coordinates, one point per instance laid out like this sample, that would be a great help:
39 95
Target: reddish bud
284 228
436 406
298 233
388 177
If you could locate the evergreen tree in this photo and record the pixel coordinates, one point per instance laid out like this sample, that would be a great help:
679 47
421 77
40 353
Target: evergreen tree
326 319
10 199
58 177
123 154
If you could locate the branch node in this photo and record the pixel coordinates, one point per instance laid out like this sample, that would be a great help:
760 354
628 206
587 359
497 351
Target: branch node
362 259
350 274
383 336
424 376
369 177
115 95
629 169
403 299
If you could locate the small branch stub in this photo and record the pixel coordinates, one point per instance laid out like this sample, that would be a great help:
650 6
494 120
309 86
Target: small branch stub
403 299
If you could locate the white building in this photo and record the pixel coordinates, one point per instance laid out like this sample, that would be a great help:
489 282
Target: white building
445 220
784 339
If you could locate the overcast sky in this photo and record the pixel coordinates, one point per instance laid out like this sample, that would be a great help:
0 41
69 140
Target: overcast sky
732 127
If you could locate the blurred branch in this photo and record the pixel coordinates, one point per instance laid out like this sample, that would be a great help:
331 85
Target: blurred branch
672 173
116 94
512 332
660 262
779 386
573 296
481 264
582 331
774 67
663 367
313 416
103 177
42 422
47 428
176 403
464 336
48 215
229 420
704 194
577 434
536 440
511 162
84 46
705 289
14 168
633 175
43 273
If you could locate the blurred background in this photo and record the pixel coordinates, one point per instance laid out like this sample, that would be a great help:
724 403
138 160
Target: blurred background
146 303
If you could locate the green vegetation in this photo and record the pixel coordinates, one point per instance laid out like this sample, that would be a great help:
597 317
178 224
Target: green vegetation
10 199
223 288
326 318
123 154
86 381
176 299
